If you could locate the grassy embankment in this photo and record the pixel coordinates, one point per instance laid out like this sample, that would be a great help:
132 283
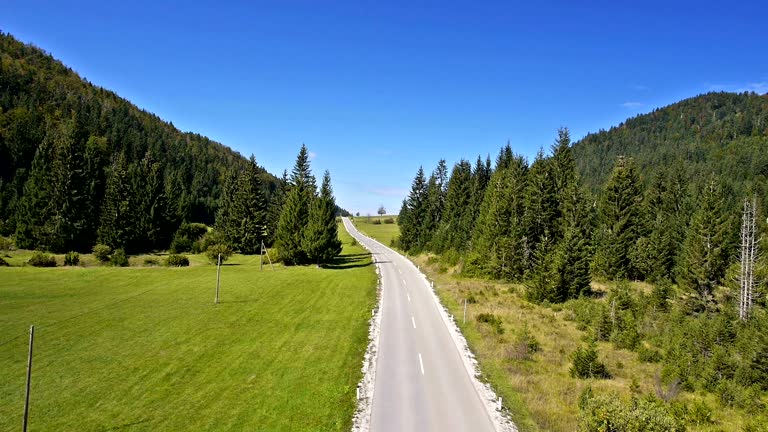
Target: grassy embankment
538 389
147 349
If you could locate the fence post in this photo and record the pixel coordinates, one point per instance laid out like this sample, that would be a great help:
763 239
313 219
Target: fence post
218 279
29 377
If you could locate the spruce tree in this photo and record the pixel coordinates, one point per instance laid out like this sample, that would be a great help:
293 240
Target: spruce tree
117 220
456 224
249 211
295 214
34 207
225 223
499 233
541 206
321 240
621 219
563 172
435 201
411 223
707 246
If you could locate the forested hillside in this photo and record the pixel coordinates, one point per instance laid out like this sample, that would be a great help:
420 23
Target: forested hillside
70 150
725 134
675 199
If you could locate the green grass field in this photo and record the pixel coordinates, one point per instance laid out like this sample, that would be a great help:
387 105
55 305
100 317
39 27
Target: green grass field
384 233
146 349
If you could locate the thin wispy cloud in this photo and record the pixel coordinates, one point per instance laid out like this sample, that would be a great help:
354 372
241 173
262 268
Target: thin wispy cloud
632 105
388 191
312 155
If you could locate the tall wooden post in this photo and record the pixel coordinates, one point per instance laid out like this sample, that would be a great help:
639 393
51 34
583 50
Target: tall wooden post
218 279
29 377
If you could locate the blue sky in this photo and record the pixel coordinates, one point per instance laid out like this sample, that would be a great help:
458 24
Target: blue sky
377 88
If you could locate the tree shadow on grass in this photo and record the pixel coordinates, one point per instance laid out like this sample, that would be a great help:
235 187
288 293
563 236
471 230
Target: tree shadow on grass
349 261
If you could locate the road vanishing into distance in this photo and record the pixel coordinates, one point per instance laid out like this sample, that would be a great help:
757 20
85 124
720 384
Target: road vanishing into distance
421 383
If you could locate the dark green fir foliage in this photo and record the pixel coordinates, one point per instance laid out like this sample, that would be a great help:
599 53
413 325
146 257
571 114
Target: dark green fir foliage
434 204
74 131
456 225
295 215
707 245
620 221
481 175
412 215
247 225
321 240
564 178
666 208
117 218
499 241
275 206
541 206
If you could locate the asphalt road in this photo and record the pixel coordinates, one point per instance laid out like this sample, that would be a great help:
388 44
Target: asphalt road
421 382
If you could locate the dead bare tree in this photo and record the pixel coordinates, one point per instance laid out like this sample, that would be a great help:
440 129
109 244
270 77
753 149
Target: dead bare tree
748 257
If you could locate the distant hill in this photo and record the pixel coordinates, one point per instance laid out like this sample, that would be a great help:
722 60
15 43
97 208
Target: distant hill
725 134
44 104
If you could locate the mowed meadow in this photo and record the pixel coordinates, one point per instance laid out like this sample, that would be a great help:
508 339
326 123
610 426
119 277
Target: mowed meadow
146 349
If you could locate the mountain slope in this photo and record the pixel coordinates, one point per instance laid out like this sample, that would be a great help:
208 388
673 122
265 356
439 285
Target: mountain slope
725 134
45 104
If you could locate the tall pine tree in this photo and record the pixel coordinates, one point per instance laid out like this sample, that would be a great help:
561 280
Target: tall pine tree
621 221
295 214
707 246
321 240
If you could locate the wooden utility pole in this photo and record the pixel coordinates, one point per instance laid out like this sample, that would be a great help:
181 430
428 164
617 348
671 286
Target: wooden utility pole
29 377
218 279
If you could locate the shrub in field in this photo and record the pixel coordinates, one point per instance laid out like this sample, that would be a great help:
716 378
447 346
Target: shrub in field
648 355
587 365
101 252
493 320
71 259
4 263
151 261
186 236
376 222
40 259
6 244
354 242
611 413
175 260
389 220
215 249
118 258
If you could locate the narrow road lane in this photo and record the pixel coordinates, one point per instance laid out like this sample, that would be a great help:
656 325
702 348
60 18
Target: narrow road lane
421 383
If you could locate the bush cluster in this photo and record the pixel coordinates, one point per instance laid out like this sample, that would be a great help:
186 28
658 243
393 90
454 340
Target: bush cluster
40 259
118 258
71 259
186 236
215 250
587 365
102 252
175 260
493 320
389 220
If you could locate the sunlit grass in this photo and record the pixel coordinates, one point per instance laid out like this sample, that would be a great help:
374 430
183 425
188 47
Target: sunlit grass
146 348
383 232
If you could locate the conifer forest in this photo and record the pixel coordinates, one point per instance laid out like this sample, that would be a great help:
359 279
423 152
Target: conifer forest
675 198
81 167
